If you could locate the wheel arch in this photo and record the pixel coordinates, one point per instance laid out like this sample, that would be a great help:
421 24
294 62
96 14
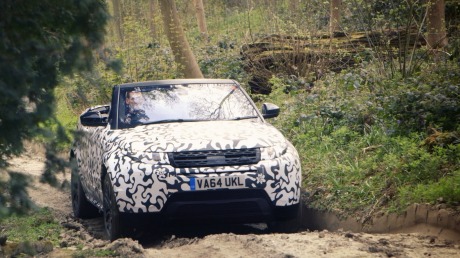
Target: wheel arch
103 174
71 154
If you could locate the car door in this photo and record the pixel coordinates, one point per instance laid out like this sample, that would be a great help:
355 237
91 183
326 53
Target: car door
89 152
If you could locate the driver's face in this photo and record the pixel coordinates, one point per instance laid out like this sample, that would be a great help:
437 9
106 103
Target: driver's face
134 99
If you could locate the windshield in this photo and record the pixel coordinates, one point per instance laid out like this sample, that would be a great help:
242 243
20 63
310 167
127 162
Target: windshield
191 102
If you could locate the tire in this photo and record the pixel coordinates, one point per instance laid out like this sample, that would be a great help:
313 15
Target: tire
112 217
290 225
81 207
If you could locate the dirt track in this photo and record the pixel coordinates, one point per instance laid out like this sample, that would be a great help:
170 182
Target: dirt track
223 241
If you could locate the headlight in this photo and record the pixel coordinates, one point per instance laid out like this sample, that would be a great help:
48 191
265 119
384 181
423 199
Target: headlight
273 152
138 152
148 157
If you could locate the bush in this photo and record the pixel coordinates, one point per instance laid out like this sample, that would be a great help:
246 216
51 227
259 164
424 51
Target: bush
424 102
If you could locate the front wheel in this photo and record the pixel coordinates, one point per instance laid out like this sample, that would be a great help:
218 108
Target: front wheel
112 220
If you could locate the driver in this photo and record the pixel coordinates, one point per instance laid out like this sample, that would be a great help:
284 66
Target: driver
135 114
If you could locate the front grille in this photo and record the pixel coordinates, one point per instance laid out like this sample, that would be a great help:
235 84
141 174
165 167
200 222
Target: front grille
209 158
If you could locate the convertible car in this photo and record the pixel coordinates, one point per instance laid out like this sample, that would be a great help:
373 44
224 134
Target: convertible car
189 150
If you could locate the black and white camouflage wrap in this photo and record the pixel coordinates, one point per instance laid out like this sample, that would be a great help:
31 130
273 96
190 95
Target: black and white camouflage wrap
136 160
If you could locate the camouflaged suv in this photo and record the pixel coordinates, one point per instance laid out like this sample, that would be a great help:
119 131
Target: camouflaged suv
195 149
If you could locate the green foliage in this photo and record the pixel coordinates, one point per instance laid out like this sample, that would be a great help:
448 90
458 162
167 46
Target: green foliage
219 61
13 194
446 190
428 100
38 225
357 155
39 41
401 52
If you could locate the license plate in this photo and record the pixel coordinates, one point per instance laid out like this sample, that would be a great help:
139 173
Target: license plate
219 182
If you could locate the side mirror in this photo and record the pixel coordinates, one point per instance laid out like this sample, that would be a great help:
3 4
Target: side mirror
95 117
270 110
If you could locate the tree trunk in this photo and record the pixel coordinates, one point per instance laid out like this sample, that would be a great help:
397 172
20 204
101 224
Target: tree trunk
183 55
201 19
152 7
117 18
436 24
334 20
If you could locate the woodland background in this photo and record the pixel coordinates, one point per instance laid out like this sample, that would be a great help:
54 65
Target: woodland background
369 90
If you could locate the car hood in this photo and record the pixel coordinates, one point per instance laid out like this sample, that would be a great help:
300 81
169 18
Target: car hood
194 136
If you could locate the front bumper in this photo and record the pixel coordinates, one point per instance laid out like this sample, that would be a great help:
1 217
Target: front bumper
144 188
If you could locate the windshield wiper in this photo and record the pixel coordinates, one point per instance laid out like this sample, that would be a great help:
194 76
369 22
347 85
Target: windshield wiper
171 121
244 117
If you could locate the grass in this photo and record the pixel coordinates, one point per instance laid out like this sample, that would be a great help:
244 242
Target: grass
38 225
94 253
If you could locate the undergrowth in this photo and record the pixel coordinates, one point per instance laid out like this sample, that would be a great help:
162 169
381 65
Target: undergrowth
374 144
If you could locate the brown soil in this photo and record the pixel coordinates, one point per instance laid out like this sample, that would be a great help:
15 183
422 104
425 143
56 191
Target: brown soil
423 231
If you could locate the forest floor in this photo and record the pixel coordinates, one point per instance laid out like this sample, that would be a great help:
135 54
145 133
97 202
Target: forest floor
220 240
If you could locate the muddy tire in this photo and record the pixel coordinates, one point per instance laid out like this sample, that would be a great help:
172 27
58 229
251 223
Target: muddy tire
112 217
81 207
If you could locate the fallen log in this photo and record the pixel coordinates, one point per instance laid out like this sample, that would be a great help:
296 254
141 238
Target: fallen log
311 56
